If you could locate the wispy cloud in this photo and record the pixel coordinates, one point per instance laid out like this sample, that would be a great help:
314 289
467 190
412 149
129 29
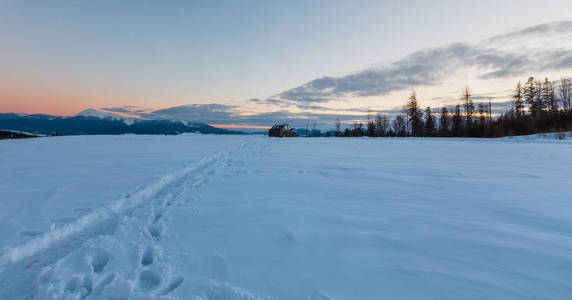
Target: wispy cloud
213 113
128 109
431 66
541 30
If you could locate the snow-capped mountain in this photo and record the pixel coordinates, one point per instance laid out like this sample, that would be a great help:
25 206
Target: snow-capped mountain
91 112
91 121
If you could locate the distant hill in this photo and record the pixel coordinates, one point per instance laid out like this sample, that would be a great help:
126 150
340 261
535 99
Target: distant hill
92 122
6 134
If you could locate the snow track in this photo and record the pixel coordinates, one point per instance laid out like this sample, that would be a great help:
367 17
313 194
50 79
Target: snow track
112 252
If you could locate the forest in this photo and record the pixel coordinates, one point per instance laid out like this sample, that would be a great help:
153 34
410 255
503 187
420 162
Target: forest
537 106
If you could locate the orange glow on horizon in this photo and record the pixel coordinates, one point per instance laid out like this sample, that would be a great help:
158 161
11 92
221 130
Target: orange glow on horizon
39 108
239 126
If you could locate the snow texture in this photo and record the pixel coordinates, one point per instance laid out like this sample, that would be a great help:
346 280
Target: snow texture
249 217
544 136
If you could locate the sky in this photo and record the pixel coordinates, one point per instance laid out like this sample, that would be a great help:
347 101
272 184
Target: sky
254 63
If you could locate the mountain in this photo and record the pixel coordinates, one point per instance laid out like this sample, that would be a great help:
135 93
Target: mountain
91 122
90 112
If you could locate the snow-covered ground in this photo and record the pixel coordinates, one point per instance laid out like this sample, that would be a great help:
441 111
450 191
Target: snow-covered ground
249 217
544 136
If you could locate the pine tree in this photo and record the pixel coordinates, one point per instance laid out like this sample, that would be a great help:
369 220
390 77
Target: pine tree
444 122
529 92
539 104
370 129
414 114
429 122
548 96
457 121
517 100
468 105
357 130
482 110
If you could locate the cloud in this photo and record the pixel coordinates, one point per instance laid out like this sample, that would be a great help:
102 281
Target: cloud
128 109
557 59
430 66
207 113
216 114
541 30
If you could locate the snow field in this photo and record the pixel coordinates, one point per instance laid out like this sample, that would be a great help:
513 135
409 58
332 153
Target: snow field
221 217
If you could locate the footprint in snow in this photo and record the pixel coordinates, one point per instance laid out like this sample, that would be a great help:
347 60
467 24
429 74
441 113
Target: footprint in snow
150 279
98 259
147 257
155 232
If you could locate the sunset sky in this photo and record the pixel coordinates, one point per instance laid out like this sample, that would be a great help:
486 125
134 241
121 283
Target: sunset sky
253 63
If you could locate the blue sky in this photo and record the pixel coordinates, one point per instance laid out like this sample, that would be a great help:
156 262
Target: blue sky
65 56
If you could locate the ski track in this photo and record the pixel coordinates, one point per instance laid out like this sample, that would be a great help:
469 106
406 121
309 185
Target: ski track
83 259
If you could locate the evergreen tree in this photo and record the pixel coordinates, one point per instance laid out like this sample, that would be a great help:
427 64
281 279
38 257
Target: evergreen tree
414 114
457 121
482 110
539 96
444 122
370 129
429 122
517 100
548 96
468 105
357 129
529 92
539 104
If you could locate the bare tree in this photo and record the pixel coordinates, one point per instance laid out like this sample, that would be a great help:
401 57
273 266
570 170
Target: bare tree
338 127
490 111
381 125
566 93
400 125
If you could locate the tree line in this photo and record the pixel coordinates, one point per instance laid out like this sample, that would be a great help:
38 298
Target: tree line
537 106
